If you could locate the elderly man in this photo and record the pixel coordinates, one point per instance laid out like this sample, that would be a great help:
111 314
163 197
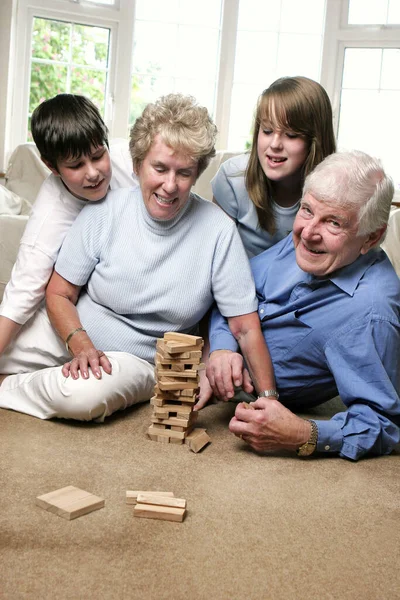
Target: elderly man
329 308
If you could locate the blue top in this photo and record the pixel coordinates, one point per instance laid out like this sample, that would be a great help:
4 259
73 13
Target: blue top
329 336
230 193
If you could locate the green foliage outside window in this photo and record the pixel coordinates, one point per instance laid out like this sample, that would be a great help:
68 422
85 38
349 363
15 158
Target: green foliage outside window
67 57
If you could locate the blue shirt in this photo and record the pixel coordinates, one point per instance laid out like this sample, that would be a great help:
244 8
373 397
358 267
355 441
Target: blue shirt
329 336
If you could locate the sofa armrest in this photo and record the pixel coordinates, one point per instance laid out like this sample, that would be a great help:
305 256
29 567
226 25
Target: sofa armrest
26 171
11 230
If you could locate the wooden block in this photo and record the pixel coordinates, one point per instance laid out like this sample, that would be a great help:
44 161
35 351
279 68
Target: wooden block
163 439
131 495
247 405
187 393
70 502
180 411
197 439
176 441
177 374
166 513
177 385
158 500
153 430
174 421
162 349
183 338
177 347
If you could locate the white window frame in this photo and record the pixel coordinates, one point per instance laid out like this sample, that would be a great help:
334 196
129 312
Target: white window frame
120 19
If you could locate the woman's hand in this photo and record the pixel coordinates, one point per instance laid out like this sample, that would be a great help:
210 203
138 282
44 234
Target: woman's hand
95 359
225 371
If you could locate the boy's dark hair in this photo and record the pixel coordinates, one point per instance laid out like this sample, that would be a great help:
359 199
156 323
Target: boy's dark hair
67 126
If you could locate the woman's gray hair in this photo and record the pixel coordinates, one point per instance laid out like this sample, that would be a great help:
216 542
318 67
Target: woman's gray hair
354 180
183 125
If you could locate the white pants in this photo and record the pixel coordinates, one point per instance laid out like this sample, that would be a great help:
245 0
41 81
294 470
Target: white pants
40 389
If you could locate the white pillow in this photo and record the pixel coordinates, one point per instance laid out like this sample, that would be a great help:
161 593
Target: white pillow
12 204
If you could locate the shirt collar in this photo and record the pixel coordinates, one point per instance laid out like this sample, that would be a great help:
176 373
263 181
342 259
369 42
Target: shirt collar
348 278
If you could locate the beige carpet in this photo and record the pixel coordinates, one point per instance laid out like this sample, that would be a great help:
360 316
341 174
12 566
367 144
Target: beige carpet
258 527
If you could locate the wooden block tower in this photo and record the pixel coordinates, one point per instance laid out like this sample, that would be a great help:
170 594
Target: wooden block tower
178 361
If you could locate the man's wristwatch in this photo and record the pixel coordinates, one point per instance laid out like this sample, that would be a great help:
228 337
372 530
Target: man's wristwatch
268 393
309 447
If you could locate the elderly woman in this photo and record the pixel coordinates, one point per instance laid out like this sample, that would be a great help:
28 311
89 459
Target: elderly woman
133 266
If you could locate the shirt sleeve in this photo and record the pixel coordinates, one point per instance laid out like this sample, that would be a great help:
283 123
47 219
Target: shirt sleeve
44 233
224 192
232 280
26 288
366 366
82 246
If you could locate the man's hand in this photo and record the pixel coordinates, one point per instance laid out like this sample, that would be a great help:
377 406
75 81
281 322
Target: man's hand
205 393
87 358
225 372
270 426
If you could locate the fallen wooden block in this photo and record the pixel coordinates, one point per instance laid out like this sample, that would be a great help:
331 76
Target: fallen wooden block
197 439
158 500
131 495
70 502
166 513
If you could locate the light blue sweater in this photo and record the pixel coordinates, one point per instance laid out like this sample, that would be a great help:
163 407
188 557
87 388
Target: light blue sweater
145 277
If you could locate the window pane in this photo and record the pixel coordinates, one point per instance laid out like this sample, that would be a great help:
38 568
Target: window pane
373 12
394 12
268 15
57 50
90 46
306 16
305 61
90 83
368 116
176 49
46 82
50 39
362 68
274 39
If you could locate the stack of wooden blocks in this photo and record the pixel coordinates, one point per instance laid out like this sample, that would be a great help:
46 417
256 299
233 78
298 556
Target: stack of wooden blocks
178 361
157 505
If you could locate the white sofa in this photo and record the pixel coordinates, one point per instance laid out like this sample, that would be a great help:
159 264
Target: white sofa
26 172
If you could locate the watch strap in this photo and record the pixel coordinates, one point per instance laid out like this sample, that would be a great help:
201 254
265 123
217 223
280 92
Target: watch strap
268 394
310 445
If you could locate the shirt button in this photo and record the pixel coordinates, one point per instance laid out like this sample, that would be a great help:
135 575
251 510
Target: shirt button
327 447
261 311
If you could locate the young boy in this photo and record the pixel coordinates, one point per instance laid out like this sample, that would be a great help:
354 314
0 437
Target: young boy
72 139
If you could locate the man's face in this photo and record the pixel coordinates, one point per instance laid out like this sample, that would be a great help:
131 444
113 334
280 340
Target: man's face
87 177
325 237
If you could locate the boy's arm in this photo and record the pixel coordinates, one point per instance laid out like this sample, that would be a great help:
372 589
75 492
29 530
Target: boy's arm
61 298
44 233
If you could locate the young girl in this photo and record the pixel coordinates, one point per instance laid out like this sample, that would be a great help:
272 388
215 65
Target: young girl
261 190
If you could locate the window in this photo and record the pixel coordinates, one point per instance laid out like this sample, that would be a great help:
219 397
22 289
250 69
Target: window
125 53
68 57
368 81
274 38
176 47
